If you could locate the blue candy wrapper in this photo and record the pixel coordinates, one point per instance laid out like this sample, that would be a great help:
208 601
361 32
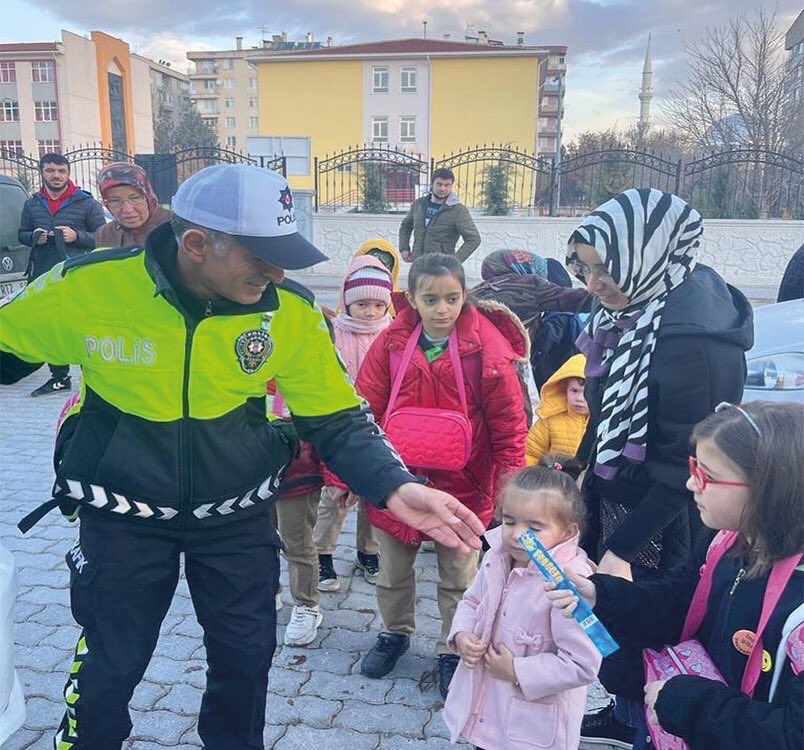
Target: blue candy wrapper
583 614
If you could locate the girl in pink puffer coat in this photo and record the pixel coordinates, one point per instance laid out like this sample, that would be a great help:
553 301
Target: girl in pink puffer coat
522 679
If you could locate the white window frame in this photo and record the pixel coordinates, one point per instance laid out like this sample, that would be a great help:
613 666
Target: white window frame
208 66
377 74
48 146
252 83
228 83
40 68
209 84
46 111
252 102
231 122
408 73
405 122
253 122
229 102
8 72
231 141
227 63
9 111
378 124
12 147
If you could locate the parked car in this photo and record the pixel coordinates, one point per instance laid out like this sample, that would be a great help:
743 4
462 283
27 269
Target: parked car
13 255
12 703
776 363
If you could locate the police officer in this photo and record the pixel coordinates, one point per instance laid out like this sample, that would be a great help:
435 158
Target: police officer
168 449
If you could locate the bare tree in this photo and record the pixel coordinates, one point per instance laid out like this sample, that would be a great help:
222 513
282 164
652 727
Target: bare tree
739 89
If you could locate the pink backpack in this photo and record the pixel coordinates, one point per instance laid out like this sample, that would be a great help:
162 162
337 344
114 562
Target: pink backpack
690 657
425 437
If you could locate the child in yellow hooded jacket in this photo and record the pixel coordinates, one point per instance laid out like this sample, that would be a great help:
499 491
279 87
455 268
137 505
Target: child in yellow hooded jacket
562 413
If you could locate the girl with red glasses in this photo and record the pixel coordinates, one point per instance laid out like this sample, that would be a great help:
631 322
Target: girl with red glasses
747 477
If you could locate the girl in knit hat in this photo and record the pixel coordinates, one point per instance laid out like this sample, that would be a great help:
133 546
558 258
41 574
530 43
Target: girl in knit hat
364 312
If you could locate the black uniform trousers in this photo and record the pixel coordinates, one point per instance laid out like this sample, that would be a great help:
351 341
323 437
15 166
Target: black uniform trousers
122 579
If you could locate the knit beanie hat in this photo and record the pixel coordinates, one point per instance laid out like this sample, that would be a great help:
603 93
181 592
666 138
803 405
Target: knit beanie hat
368 283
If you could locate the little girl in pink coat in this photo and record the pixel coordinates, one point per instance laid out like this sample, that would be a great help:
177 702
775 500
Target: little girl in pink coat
521 682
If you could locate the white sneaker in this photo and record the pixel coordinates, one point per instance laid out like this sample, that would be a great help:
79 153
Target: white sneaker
303 626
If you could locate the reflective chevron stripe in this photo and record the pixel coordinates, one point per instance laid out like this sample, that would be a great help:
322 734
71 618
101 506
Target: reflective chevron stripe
101 498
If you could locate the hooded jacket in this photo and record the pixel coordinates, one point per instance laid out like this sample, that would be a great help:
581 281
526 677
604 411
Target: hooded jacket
698 362
171 428
80 212
386 247
554 660
558 429
452 220
497 412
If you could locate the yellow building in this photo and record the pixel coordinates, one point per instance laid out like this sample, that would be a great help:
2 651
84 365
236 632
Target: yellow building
428 97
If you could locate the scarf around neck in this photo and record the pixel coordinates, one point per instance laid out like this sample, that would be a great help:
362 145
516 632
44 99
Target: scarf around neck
647 240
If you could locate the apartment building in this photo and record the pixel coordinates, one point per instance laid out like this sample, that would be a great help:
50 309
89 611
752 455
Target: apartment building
224 86
55 96
429 97
169 89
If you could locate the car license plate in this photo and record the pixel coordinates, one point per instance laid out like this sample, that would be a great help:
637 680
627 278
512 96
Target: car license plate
9 287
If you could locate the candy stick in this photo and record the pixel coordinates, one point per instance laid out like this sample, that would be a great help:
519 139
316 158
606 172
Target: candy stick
583 612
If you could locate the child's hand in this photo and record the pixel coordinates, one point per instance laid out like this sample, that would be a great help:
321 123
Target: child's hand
652 690
500 663
348 500
470 647
565 600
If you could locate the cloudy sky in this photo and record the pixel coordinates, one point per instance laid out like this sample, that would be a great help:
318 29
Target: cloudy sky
606 38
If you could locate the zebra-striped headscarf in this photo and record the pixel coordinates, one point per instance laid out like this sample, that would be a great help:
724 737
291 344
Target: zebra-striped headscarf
647 240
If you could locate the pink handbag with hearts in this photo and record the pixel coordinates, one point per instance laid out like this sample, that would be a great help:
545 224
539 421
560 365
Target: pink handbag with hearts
689 657
429 438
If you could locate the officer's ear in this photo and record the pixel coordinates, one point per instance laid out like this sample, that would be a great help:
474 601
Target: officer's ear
194 244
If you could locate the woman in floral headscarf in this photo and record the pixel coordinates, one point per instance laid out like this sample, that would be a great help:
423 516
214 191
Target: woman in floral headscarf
127 193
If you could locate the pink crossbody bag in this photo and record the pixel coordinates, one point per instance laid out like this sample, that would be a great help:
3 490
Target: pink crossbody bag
690 657
426 437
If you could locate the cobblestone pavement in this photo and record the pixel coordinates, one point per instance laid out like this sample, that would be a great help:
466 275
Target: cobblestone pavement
317 698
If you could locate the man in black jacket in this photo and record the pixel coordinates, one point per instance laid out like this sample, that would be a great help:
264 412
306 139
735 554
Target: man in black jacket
57 222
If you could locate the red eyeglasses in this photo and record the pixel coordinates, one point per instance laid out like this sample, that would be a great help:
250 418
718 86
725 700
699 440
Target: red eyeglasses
701 479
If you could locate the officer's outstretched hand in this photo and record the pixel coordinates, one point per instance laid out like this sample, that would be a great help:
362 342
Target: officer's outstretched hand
437 514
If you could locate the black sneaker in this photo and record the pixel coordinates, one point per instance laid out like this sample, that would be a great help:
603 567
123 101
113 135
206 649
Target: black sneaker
327 578
370 565
54 385
384 654
447 664
603 728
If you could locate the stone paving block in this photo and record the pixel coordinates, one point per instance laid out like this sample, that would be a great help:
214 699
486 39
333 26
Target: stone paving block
147 694
436 727
287 682
25 739
43 658
43 714
53 614
305 738
365 601
49 578
31 633
392 718
348 640
162 727
346 687
187 626
40 684
305 709
178 647
325 660
168 671
408 692
148 745
46 595
63 638
182 699
23 611
349 619
405 743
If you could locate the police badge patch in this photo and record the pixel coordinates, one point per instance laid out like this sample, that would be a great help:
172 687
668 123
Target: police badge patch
253 348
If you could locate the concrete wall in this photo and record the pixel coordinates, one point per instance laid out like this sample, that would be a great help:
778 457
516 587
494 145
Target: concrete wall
78 92
749 254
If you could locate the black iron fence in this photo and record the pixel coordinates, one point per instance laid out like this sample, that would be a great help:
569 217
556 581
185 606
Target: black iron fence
371 179
166 171
498 180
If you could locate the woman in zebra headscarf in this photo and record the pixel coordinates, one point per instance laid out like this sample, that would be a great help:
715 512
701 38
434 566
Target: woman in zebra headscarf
664 345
